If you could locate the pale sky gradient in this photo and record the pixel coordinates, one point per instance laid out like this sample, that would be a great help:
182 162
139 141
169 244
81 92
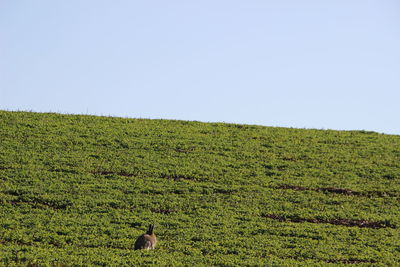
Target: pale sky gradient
304 64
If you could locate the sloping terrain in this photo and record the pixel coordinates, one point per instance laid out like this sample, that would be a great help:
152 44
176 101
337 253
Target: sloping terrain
78 190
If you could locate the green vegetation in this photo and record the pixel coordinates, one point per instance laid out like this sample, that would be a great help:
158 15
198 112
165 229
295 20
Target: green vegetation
78 190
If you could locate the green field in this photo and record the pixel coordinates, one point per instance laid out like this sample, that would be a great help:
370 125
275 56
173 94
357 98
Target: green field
78 190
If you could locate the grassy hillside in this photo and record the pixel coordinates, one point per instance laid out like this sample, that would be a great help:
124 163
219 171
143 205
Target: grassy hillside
78 190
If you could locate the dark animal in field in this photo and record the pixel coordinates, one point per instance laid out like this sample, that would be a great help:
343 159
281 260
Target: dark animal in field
147 240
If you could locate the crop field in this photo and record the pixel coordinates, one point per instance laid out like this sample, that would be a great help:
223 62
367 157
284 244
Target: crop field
78 190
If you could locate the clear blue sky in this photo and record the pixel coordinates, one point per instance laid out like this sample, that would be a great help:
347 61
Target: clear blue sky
305 64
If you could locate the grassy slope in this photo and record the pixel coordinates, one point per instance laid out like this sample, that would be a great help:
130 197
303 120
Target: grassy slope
78 190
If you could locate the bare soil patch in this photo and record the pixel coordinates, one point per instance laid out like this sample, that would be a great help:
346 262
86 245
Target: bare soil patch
342 191
350 261
113 173
343 222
